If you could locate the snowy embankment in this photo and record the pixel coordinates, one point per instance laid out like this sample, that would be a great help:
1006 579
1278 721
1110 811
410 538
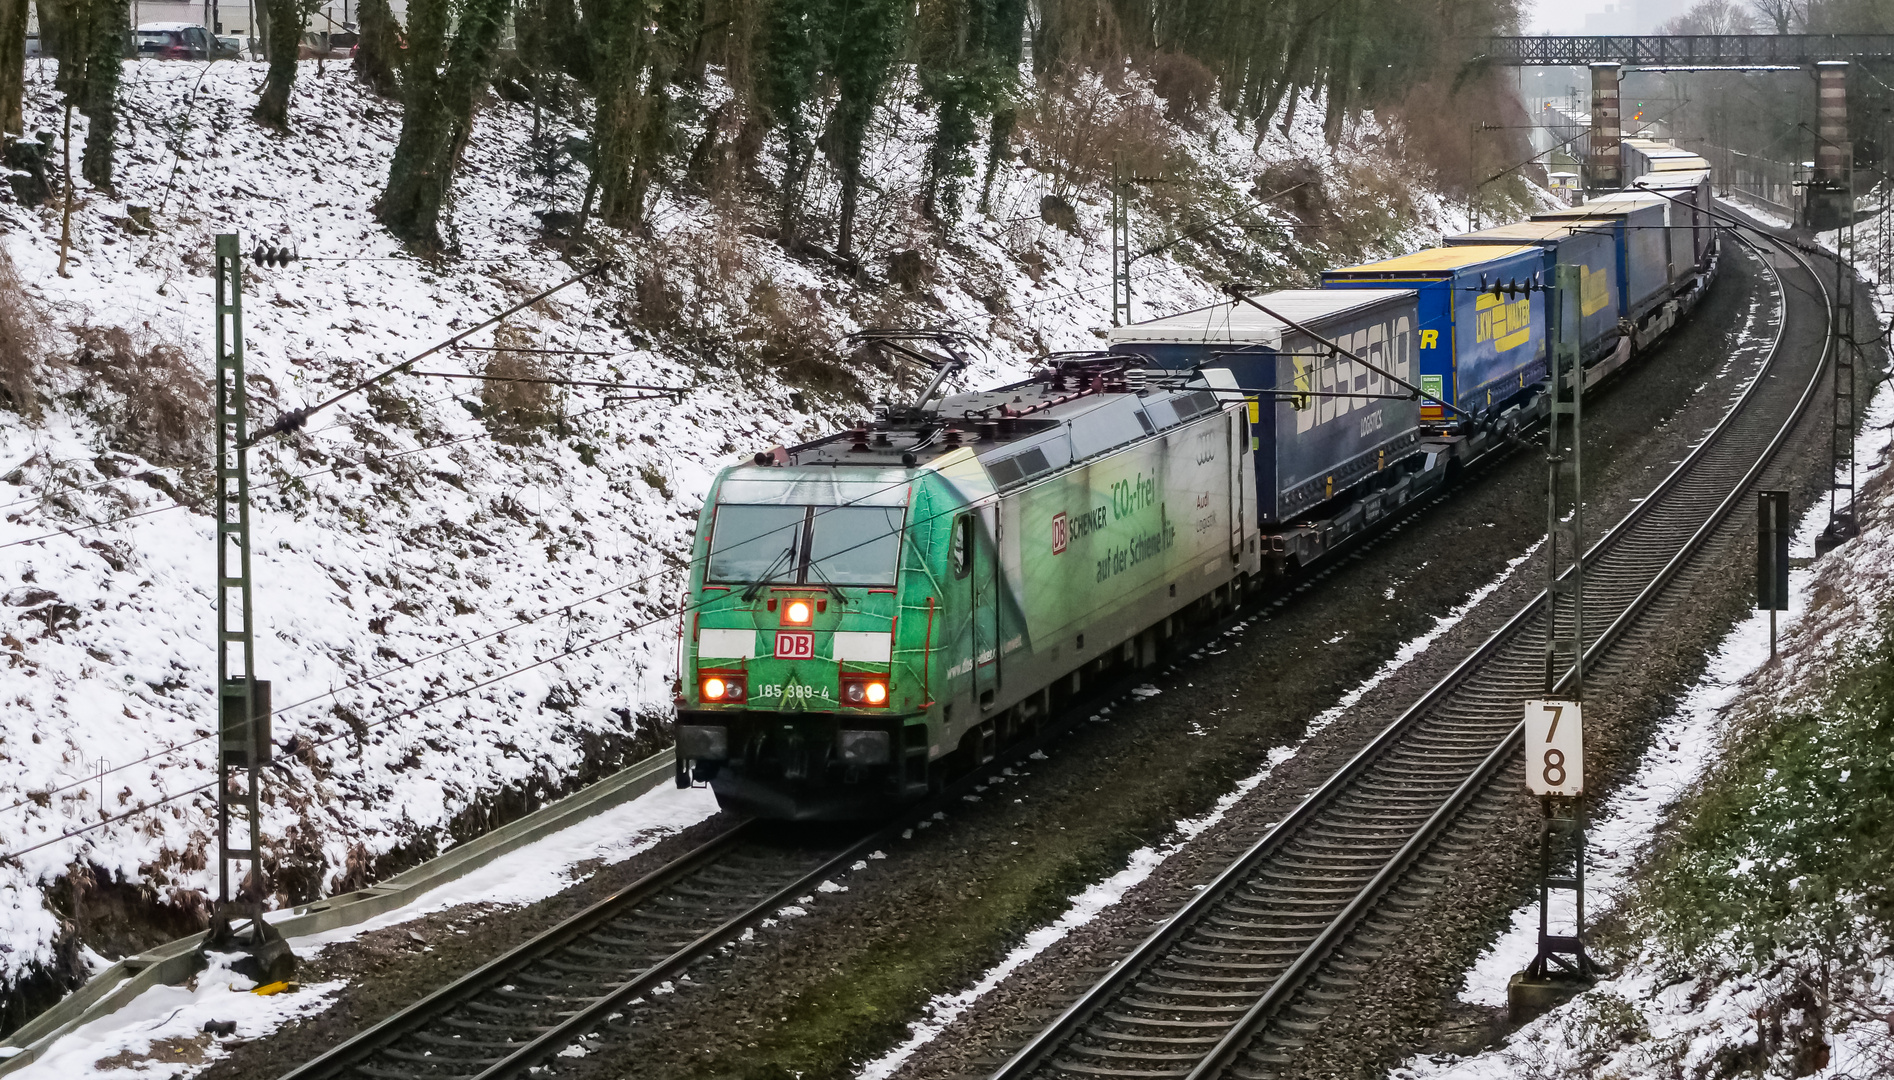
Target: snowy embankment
458 620
1717 1013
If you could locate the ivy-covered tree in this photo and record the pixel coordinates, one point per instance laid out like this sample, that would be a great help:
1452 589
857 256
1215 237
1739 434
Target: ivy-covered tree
282 41
378 49
12 65
440 77
636 45
793 50
867 37
968 54
86 37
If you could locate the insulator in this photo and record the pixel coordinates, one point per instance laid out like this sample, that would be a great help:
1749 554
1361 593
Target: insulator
265 255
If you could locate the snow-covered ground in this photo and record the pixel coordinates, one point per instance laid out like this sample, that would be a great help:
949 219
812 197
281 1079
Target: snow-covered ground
171 1016
444 616
1643 1021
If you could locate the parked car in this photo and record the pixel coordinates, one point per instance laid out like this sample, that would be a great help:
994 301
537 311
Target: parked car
173 41
231 47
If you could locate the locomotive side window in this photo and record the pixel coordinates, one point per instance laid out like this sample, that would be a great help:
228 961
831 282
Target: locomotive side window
756 543
962 544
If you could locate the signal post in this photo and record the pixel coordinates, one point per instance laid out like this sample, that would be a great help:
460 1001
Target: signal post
1554 724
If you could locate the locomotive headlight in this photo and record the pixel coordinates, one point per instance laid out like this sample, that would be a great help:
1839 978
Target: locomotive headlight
798 612
865 691
715 689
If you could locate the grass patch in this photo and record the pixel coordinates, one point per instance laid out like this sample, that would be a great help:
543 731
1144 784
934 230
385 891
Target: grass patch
1789 849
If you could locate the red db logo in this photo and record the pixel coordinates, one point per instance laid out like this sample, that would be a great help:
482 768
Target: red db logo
1060 534
795 645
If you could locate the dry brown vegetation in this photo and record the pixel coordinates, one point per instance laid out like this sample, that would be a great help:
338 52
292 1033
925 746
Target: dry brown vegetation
22 343
514 406
1460 137
1078 130
792 342
144 393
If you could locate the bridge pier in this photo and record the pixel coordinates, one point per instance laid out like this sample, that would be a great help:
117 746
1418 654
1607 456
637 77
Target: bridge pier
1605 164
1830 189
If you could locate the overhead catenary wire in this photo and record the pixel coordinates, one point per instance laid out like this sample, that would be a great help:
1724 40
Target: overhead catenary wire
463 692
363 462
296 418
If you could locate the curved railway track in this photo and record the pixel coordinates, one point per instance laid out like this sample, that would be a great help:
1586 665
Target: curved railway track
1240 977
523 1008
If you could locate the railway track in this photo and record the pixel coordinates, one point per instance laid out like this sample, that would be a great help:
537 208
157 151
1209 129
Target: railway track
1240 977
511 1014
527 1005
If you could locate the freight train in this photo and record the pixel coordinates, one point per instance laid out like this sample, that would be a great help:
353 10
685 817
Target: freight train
875 611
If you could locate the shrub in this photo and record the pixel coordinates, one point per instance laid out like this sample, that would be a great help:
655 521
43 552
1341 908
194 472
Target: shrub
144 393
790 338
1791 844
514 407
1185 84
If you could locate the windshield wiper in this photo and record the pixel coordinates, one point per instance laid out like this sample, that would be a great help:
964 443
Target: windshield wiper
835 590
757 585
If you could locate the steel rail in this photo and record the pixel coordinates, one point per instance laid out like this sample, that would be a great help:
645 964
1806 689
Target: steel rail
366 1044
1237 1039
357 1056
1039 1051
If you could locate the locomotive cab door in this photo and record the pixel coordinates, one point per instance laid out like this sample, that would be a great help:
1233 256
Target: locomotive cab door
985 584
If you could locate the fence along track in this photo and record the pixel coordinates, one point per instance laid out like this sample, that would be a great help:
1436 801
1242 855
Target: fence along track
1244 972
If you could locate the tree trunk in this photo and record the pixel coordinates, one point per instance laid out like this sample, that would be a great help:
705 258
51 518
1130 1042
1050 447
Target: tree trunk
282 45
98 99
379 53
12 65
618 26
998 146
867 41
640 43
438 85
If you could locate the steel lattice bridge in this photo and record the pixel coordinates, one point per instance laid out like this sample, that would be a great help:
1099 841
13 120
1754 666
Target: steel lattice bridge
1690 50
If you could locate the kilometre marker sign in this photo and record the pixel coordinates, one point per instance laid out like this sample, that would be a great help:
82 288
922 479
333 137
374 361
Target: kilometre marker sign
1555 747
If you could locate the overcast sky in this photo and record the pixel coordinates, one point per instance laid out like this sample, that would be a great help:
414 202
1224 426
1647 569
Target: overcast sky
1605 16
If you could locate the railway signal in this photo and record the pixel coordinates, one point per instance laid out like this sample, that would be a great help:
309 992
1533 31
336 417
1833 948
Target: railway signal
1772 557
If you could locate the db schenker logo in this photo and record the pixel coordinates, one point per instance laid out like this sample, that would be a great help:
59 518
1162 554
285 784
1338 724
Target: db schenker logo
1060 534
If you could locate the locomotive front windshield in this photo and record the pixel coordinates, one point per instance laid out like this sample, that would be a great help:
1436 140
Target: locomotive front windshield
812 545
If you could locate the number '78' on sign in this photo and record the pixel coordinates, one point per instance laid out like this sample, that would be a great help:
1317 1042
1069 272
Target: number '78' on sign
1555 747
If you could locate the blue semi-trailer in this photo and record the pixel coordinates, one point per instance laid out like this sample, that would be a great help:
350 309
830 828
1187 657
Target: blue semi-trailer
1320 423
1593 251
1480 344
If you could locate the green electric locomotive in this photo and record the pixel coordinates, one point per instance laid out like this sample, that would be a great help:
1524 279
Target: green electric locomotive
875 610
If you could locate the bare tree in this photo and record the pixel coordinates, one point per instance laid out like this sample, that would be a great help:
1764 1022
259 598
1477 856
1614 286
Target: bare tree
1712 17
1787 16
